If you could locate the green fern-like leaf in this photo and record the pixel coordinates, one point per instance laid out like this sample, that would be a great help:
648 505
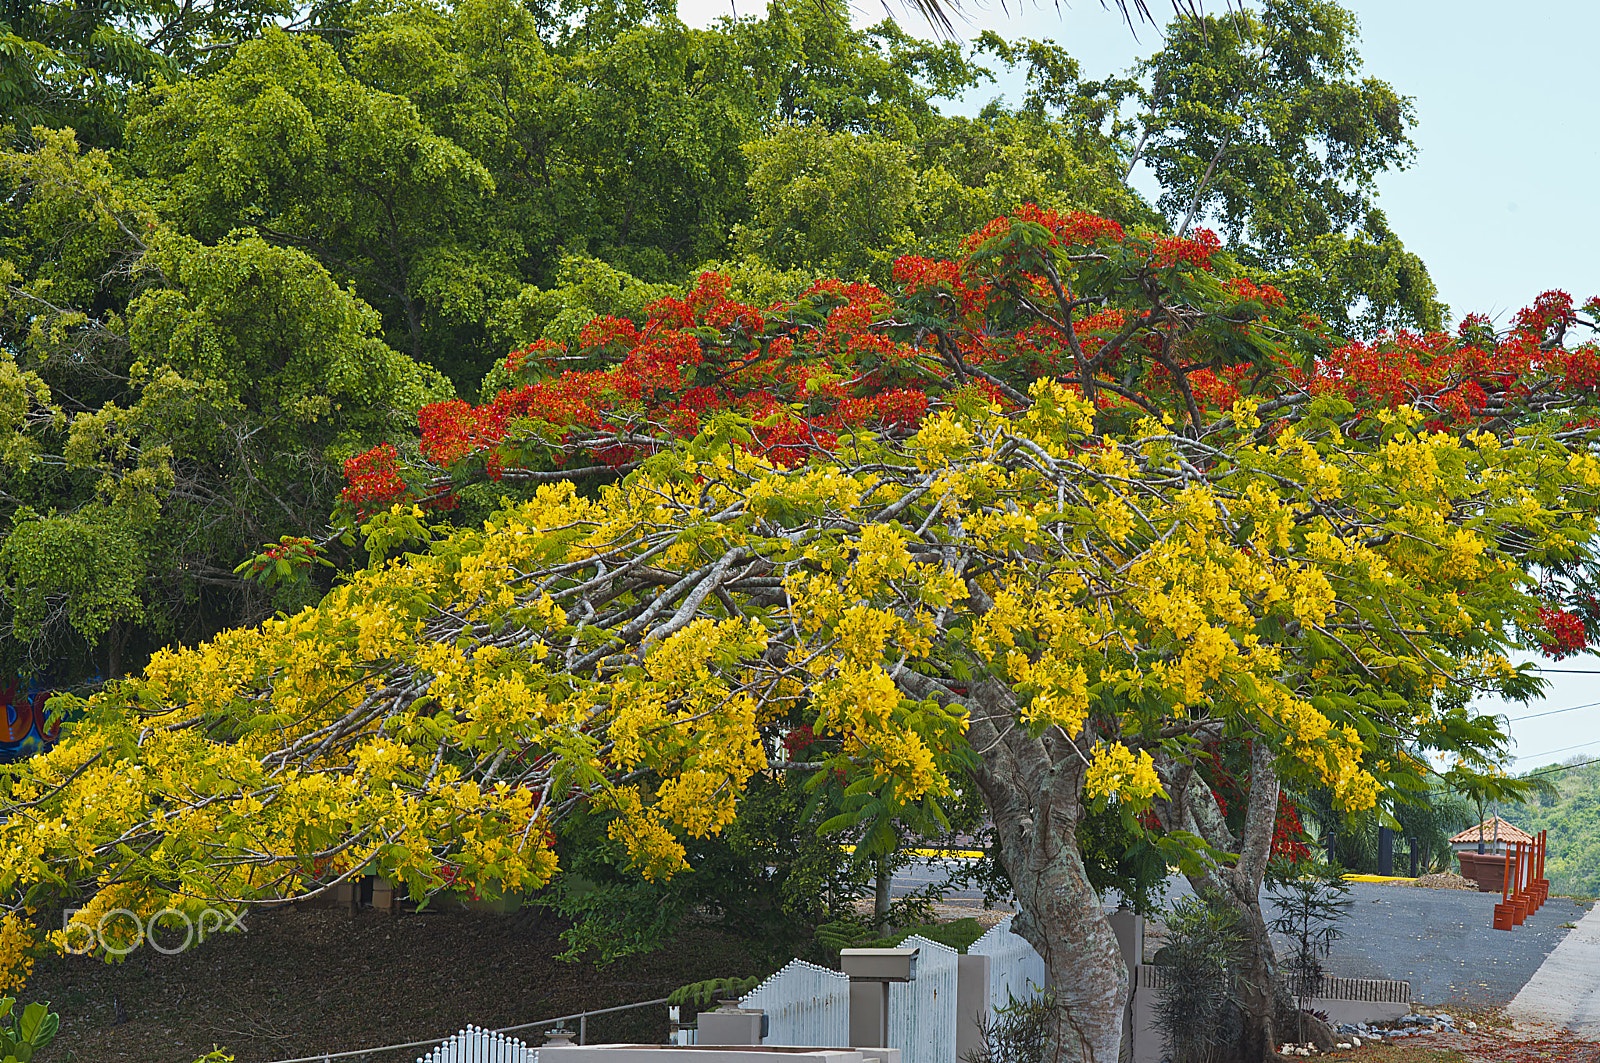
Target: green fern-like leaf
701 995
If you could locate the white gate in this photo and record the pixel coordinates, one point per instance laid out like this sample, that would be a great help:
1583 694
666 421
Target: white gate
1015 969
474 1045
805 1005
922 1014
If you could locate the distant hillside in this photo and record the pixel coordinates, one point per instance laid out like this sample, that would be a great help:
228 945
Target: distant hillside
1573 820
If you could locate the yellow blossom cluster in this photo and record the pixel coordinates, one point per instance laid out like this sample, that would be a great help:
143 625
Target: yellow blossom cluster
1115 770
639 649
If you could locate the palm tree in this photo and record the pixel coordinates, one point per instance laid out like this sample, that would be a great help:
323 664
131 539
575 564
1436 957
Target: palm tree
1134 12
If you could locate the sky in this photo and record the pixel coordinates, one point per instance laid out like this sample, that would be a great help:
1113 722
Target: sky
1497 202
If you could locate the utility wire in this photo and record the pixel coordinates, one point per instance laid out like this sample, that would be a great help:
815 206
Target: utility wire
1563 749
1558 768
1552 712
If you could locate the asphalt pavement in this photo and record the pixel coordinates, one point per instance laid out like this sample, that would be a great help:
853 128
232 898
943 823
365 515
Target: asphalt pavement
1441 941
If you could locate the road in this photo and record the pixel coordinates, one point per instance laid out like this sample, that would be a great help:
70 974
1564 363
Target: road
1440 941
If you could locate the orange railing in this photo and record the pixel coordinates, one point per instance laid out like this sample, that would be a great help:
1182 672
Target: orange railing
1523 887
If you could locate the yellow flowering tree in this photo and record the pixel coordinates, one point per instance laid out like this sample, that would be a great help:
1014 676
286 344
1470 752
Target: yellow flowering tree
1067 591
1066 614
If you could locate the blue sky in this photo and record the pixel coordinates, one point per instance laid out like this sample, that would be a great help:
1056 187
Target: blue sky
1498 202
1498 198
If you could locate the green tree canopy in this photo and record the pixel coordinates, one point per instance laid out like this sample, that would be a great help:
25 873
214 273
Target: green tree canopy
150 447
1262 123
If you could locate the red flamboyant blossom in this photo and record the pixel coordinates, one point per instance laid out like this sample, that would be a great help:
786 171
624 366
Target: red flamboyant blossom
1561 633
849 357
1288 833
797 741
1194 251
374 481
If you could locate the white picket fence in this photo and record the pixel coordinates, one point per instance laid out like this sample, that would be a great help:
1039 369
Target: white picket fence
805 1005
809 1006
474 1045
922 1014
1015 969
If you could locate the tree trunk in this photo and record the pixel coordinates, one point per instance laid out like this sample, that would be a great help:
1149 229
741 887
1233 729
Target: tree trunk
880 898
1061 916
1031 788
1270 1015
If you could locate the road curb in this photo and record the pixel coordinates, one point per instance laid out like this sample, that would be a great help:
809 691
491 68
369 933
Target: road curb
1565 990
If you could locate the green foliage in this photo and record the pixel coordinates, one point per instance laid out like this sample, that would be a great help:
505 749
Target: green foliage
1312 901
700 995
585 288
184 403
972 170
1572 817
806 65
283 140
844 933
831 202
1202 954
769 877
1016 1033
27 1030
1272 104
266 329
851 203
1119 857
80 571
65 64
290 558
1425 816
1428 818
958 934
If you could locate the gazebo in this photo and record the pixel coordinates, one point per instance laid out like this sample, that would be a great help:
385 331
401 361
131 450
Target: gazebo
1495 833
1488 868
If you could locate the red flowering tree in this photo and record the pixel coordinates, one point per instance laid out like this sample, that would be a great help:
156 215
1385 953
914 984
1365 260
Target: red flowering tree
1148 328
845 357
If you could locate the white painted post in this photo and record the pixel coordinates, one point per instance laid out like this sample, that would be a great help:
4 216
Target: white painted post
477 1045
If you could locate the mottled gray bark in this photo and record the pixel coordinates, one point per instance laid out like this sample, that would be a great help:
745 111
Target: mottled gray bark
1031 787
1269 1012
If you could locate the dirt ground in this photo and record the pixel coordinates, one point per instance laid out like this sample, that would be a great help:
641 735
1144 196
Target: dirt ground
1490 1045
304 982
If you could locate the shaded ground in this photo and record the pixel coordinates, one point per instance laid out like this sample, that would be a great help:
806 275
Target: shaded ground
1441 941
303 982
1488 1047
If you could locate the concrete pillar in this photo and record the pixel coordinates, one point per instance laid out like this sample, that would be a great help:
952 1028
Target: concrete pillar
972 1003
1385 851
869 1014
1128 925
730 1025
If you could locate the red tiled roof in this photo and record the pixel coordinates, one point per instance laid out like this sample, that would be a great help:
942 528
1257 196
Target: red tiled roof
1508 833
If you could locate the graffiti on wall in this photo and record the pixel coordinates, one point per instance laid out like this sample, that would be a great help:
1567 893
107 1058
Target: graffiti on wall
26 728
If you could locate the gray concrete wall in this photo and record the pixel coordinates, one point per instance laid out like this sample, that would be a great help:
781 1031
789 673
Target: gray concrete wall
742 1027
1350 1000
972 1003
